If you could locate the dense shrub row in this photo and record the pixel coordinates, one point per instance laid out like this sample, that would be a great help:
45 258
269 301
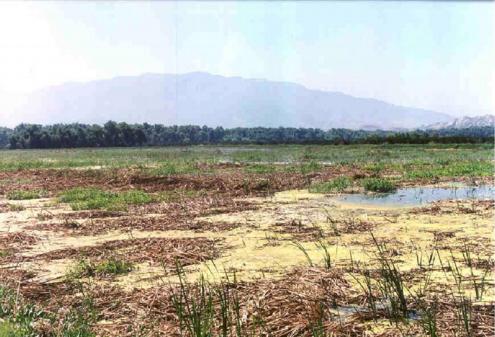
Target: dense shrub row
27 136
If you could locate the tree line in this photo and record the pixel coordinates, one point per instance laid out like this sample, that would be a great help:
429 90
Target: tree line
113 134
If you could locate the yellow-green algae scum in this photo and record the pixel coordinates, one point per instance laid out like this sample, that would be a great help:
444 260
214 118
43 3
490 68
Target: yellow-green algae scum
256 250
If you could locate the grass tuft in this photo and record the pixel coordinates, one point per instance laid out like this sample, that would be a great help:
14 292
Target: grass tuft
93 198
336 185
16 208
26 195
378 185
112 266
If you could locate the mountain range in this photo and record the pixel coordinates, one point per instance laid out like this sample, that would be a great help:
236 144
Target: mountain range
205 99
465 122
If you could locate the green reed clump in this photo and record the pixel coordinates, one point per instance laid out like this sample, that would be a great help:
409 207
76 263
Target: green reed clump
428 318
479 282
391 283
206 310
93 198
339 184
378 185
112 266
327 259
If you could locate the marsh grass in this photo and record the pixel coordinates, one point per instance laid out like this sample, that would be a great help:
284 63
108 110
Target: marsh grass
450 168
93 198
413 162
85 268
425 260
428 318
366 284
374 168
20 319
206 310
304 251
479 282
260 168
327 259
391 283
26 194
16 208
175 167
388 287
378 185
312 166
339 184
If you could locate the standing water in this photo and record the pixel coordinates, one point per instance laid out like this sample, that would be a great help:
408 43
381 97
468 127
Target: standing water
414 196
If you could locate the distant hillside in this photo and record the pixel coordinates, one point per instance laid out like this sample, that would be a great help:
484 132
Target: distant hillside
465 122
205 99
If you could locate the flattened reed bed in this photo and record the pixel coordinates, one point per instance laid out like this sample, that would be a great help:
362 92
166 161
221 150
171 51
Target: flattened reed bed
52 180
299 231
12 243
160 223
164 251
189 208
91 214
157 216
17 239
233 183
304 299
287 307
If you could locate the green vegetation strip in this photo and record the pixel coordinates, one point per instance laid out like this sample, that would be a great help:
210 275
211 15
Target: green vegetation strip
407 162
93 198
339 184
26 195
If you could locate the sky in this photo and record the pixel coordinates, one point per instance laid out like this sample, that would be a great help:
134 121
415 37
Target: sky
432 55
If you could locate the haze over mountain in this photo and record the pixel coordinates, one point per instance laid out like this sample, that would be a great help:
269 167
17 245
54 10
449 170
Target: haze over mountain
204 99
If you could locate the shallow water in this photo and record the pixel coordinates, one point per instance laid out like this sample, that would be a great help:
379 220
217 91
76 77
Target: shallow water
414 196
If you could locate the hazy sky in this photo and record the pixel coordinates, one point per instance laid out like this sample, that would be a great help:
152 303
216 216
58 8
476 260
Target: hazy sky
435 55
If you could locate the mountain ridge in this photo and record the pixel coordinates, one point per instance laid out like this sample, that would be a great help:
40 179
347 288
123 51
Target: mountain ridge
465 122
214 100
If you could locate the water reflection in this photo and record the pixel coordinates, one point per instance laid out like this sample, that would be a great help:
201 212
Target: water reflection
412 196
